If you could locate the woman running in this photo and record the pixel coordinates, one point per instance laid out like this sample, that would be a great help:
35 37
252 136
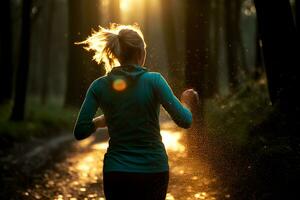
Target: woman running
129 95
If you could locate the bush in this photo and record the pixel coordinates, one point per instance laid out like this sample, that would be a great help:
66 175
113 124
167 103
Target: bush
233 117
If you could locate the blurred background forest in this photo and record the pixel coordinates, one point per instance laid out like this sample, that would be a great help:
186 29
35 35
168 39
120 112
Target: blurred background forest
59 72
241 56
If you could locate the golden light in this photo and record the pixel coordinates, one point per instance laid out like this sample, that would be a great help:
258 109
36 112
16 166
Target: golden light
171 140
100 146
85 166
119 85
200 195
124 5
86 142
169 196
104 3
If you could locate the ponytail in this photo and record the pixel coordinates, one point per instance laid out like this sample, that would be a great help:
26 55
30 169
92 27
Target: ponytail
115 44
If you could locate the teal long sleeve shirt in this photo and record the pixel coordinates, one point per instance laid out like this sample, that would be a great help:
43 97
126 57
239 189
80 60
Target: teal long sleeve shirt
132 118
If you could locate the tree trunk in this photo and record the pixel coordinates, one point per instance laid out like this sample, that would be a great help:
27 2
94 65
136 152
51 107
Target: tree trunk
233 42
146 28
47 51
18 110
6 66
91 21
74 74
83 16
147 31
240 46
170 40
196 44
197 61
214 40
297 8
280 51
280 46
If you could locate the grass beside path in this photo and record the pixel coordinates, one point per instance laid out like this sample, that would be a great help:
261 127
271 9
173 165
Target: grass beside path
40 121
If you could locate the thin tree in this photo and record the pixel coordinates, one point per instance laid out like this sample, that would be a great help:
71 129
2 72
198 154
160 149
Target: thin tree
6 67
47 50
297 8
235 55
146 28
214 39
18 110
147 31
170 40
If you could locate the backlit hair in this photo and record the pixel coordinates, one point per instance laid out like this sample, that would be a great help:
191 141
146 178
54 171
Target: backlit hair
115 44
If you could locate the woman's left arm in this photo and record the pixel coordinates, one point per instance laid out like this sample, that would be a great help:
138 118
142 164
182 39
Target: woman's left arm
84 125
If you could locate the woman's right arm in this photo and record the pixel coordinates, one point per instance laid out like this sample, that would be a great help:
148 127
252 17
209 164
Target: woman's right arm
84 125
181 115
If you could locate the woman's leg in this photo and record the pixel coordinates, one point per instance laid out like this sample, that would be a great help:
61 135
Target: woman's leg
126 185
113 185
157 186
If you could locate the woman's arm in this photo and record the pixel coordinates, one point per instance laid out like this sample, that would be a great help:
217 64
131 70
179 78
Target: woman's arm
181 115
190 99
84 125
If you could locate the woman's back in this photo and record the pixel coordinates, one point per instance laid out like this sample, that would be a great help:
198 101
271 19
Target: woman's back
133 110
130 98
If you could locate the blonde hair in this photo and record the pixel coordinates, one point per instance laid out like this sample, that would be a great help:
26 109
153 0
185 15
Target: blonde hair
115 45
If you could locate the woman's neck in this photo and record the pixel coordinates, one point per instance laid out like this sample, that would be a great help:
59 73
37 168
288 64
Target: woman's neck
129 63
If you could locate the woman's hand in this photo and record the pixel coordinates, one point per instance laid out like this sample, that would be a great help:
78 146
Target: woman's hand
99 122
190 98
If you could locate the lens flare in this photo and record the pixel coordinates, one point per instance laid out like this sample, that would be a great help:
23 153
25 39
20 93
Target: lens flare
119 85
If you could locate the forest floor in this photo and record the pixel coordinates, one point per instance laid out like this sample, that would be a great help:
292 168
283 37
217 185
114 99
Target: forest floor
78 174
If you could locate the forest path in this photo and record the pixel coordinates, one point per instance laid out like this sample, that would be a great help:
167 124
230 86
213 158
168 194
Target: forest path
79 175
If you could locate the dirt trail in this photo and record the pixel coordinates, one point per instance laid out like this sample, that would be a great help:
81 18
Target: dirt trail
79 176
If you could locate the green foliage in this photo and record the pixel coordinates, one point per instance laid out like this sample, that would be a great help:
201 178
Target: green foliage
41 120
232 117
255 144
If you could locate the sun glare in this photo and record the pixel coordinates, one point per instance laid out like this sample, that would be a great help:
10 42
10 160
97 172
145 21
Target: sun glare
171 140
124 5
